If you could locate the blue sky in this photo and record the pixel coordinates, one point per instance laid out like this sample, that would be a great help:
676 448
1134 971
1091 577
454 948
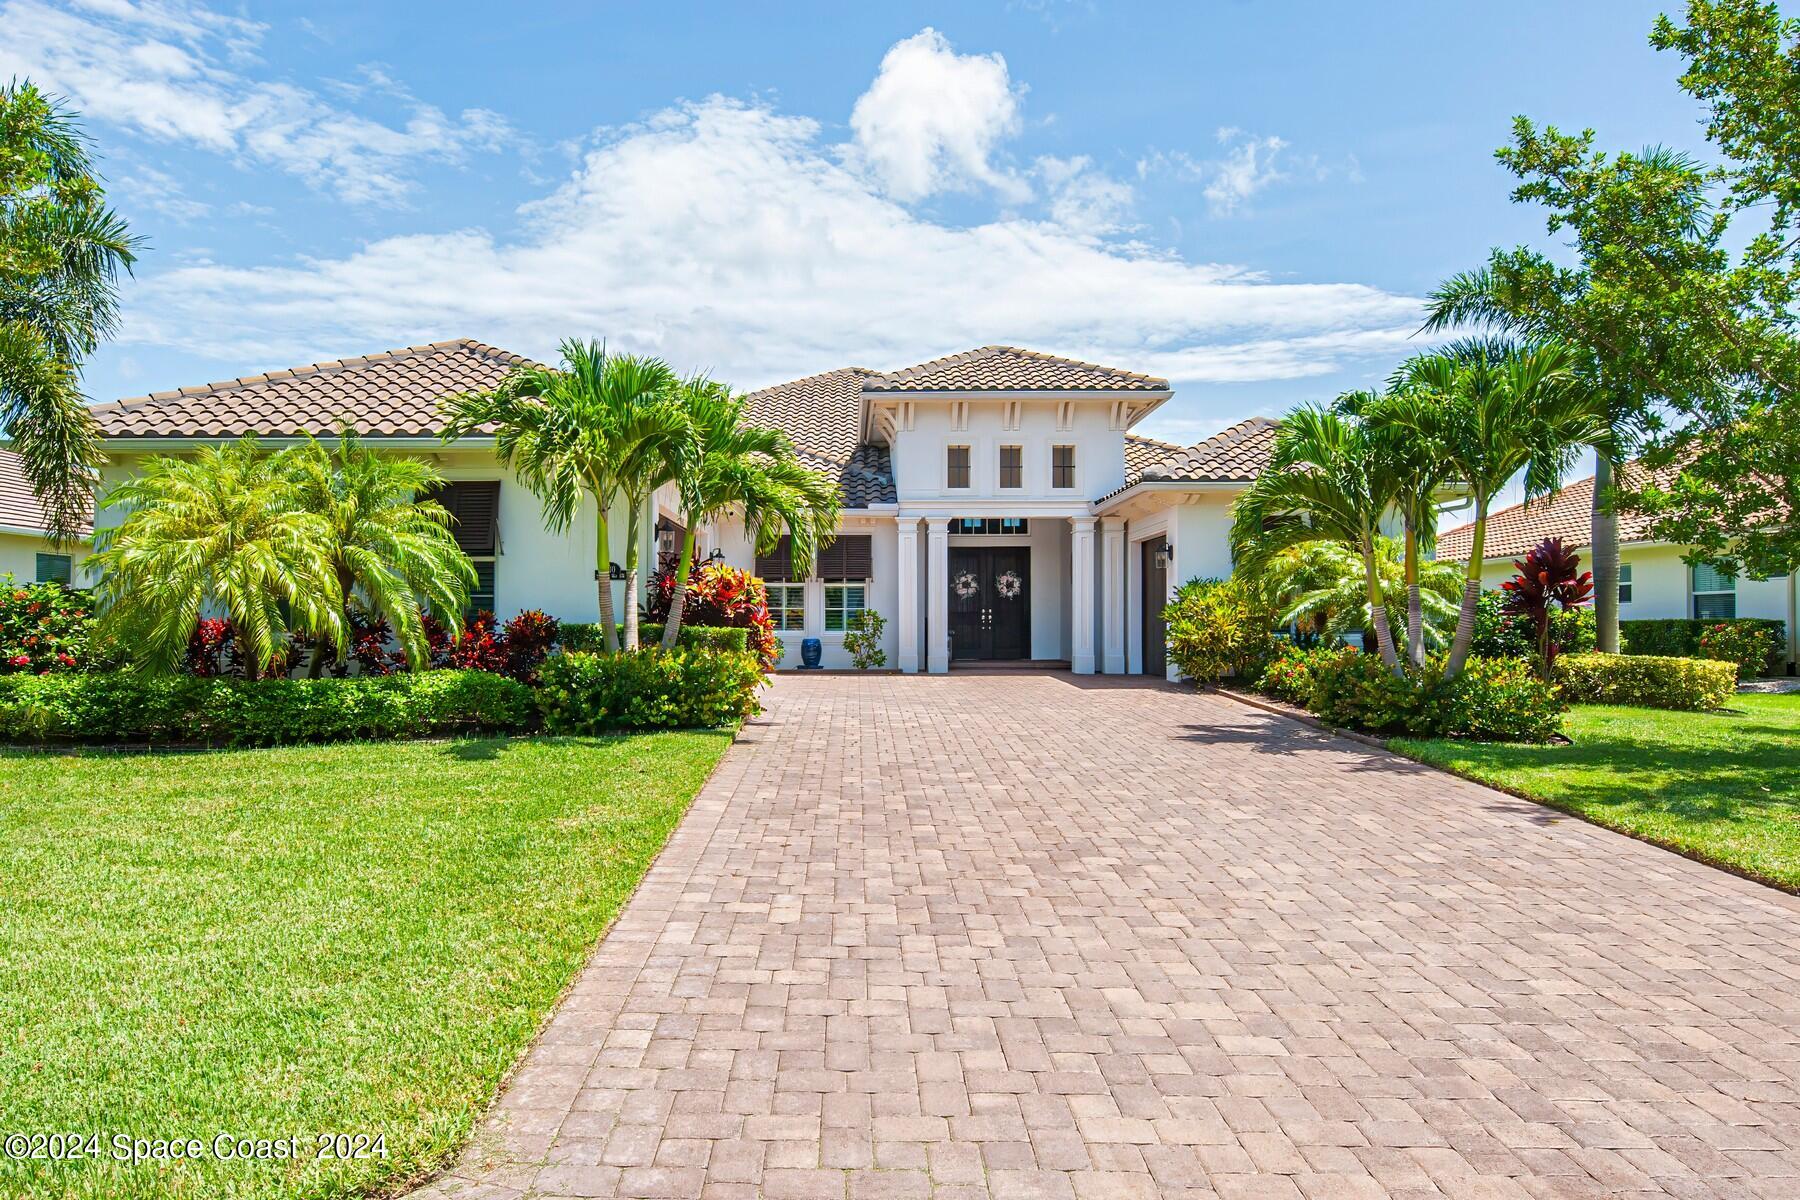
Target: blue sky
1248 198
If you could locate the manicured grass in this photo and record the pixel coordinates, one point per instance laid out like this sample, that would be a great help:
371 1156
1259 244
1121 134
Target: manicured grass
1723 786
320 939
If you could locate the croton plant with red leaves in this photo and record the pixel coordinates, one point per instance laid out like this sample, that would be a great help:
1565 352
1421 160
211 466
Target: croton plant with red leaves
1549 576
724 597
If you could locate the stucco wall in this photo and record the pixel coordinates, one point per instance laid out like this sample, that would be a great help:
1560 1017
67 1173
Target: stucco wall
18 556
919 454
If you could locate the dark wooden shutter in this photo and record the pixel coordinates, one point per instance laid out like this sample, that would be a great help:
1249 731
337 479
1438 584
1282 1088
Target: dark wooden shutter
474 507
849 558
778 563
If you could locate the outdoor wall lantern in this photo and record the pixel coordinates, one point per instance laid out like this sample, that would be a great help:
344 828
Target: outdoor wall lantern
716 557
1162 558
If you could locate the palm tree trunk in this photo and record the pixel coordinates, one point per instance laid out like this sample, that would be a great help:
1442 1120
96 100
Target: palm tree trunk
1606 560
1465 620
633 526
1415 604
603 571
678 601
1384 634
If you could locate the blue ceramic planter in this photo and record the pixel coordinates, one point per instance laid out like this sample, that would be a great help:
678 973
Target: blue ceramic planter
811 651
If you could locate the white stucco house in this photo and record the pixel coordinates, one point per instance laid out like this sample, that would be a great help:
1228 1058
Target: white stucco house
997 505
28 552
1654 582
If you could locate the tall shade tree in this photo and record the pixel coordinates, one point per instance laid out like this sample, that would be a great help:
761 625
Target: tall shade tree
1328 480
218 531
728 466
580 432
61 251
390 547
1494 409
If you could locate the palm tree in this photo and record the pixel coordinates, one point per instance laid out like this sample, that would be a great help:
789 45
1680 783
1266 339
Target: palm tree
728 465
222 531
1320 587
1494 409
572 434
1328 481
390 550
61 251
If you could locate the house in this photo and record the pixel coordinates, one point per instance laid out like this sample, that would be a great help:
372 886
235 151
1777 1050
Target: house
1654 582
28 552
997 505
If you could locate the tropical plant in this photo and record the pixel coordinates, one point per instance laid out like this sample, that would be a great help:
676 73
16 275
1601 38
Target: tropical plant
390 549
1329 480
43 627
1549 579
601 428
1753 648
723 597
1494 409
222 531
61 250
1319 588
726 465
1219 627
862 639
1503 634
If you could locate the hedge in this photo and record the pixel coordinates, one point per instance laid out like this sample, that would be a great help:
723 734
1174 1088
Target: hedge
129 706
1677 637
651 688
1493 700
1651 681
583 637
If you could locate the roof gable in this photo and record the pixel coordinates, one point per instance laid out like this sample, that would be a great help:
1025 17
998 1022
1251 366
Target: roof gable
1010 369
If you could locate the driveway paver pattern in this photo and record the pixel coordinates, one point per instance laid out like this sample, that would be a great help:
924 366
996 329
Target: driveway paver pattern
1021 935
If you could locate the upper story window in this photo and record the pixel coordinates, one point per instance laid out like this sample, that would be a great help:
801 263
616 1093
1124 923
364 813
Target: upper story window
956 467
1624 583
1012 466
1062 466
1715 594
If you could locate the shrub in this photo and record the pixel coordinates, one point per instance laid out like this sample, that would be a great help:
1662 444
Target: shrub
1550 580
1354 690
131 706
1503 634
1494 700
584 637
43 627
1676 637
527 639
862 638
650 688
723 597
1288 676
1219 627
1648 680
1754 648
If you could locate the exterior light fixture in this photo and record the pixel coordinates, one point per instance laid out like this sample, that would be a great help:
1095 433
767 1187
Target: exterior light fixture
716 557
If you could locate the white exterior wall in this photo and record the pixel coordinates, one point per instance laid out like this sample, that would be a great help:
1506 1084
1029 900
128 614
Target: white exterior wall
919 454
18 556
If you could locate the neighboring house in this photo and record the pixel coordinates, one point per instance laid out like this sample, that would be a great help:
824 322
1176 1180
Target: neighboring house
27 551
1653 580
997 506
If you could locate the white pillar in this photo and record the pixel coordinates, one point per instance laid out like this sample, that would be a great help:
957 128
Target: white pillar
908 578
1081 594
937 594
1112 579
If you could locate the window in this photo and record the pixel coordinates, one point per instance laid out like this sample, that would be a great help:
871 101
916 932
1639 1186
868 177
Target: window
1624 583
1012 526
787 606
54 568
474 508
1012 466
1062 466
842 602
1715 594
481 596
956 467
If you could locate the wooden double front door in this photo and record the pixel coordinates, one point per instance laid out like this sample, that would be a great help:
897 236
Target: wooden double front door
990 602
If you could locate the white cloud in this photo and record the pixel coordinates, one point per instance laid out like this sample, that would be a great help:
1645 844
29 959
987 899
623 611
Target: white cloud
1249 166
1082 198
160 192
933 118
173 72
731 237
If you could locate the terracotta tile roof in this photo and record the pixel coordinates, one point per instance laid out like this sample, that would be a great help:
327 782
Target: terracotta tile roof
1141 452
1566 513
19 507
392 394
822 414
1010 369
1234 455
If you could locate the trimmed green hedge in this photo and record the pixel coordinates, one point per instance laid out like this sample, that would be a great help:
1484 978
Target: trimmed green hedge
584 637
652 688
1493 700
129 706
1677 637
1690 684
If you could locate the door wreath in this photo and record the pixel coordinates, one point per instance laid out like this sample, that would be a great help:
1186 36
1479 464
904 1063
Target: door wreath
1009 585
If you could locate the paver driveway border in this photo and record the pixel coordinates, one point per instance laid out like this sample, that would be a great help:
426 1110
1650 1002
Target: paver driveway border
1022 935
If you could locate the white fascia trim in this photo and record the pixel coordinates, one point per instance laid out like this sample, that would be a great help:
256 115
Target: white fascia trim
123 445
1109 395
31 532
938 508
1147 486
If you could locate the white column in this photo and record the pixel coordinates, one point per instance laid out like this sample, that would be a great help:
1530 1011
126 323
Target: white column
1112 578
908 578
937 594
1081 594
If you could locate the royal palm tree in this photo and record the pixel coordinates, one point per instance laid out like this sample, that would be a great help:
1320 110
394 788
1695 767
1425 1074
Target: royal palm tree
61 251
727 465
1494 409
390 548
220 531
581 432
1327 481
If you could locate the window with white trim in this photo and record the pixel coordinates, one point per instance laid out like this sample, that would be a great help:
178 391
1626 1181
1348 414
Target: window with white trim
1012 466
1062 466
842 602
956 467
1715 594
787 606
1624 583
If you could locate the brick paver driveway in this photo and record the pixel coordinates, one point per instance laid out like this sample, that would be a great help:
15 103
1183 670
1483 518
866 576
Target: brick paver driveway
1028 935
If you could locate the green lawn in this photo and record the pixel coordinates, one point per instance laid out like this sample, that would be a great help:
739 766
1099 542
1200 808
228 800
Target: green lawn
348 939
1723 786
